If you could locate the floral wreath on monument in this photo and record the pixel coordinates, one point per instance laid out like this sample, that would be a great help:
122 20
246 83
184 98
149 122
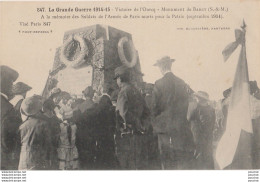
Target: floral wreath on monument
81 55
121 53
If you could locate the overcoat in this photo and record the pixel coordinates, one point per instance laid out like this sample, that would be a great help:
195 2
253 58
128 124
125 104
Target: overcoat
132 126
35 143
169 110
9 136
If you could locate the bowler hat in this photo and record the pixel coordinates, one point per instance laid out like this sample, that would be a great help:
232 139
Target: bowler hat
202 94
20 88
164 60
121 70
8 73
32 105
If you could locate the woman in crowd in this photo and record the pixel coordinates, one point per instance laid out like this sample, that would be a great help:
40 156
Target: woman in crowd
35 135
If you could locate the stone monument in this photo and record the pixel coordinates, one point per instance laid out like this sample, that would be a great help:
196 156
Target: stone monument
89 56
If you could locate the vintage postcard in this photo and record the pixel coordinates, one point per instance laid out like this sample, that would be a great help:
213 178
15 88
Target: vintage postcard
122 85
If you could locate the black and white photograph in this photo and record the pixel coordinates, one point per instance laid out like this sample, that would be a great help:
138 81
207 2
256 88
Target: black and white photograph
122 86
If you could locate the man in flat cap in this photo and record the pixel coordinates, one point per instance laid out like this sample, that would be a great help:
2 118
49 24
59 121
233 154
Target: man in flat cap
131 113
169 109
19 91
9 121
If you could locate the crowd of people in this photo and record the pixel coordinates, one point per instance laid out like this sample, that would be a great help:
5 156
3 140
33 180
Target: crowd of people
165 125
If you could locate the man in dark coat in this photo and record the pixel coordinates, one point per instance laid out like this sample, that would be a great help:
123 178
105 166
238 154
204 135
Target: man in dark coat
88 103
35 136
86 134
169 109
255 92
131 112
9 121
202 118
148 94
105 130
54 128
153 151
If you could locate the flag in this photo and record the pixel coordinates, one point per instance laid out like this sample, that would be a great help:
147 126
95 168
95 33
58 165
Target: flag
239 35
239 125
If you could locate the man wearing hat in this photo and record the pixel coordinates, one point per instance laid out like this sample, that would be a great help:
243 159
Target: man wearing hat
19 91
88 93
130 109
202 118
86 130
9 121
169 109
35 135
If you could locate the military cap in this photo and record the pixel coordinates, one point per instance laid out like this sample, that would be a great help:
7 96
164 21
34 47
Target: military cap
20 88
164 60
89 91
32 105
121 70
8 73
202 94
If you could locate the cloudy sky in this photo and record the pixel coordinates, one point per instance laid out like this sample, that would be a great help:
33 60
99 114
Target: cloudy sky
199 61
